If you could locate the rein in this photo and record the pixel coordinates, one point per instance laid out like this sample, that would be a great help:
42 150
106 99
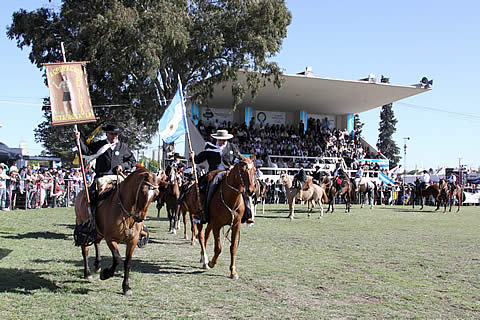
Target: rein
242 186
134 213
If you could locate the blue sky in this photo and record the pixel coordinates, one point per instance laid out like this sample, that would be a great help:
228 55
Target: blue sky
340 39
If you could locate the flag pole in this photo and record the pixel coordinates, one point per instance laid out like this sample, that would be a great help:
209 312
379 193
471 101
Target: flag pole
188 140
77 140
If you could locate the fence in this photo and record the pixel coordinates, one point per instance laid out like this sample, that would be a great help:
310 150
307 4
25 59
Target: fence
41 193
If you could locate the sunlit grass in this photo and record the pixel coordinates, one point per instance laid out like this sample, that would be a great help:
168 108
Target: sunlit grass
381 263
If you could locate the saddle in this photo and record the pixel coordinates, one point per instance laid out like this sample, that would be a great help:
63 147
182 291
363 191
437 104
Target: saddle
212 174
307 184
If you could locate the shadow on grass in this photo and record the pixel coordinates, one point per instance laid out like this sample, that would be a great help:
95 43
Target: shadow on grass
36 235
156 219
66 225
415 210
23 281
4 252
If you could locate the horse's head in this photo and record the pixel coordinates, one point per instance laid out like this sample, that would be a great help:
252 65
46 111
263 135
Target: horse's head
138 191
246 171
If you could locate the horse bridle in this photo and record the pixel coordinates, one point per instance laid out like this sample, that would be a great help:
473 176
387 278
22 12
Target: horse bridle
233 211
134 213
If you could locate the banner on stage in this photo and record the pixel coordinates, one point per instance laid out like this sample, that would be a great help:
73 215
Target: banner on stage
69 96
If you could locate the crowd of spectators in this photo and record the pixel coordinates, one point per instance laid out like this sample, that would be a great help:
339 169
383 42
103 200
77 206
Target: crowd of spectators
318 140
38 187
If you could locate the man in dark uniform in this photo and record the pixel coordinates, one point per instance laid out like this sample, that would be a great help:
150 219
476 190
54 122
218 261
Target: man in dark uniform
112 157
338 174
220 156
175 164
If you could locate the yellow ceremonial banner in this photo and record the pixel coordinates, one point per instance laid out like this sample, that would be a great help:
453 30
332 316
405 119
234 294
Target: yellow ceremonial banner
69 96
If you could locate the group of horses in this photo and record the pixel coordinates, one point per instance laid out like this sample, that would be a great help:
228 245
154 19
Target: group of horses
441 192
120 217
331 188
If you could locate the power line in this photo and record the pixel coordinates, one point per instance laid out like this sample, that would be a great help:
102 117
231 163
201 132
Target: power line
414 106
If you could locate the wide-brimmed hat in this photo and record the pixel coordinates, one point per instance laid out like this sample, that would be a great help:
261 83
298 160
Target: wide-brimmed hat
221 135
176 156
112 128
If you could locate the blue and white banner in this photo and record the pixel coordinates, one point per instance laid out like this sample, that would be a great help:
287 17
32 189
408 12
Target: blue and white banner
383 163
385 179
173 124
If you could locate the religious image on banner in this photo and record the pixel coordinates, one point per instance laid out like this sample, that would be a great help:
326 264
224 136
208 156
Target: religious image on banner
69 96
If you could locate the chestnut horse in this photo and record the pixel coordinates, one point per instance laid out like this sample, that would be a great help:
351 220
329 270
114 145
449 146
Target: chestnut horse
226 209
119 218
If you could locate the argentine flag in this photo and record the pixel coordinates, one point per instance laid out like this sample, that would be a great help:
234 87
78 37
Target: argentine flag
385 179
172 125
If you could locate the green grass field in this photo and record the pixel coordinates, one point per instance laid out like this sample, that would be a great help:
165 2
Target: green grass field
382 263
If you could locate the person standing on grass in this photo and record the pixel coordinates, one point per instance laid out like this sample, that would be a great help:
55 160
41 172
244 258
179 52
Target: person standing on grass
3 188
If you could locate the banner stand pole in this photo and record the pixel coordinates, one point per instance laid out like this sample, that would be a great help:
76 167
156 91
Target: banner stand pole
77 140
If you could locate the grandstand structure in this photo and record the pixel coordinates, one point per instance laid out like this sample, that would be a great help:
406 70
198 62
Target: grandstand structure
303 99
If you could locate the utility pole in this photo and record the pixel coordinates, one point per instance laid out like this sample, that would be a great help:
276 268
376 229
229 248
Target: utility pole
404 165
459 172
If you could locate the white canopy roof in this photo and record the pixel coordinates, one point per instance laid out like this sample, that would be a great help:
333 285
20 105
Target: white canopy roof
317 95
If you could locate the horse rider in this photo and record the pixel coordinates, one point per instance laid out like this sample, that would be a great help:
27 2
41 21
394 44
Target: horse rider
425 181
176 165
338 174
358 177
452 182
299 179
220 156
318 174
112 158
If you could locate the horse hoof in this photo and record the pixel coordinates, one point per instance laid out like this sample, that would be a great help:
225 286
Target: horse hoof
205 267
127 292
103 275
88 278
211 265
234 276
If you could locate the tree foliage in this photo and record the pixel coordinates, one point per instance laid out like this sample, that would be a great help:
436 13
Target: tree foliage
358 124
385 143
138 48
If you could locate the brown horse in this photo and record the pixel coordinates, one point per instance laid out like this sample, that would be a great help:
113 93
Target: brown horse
226 209
347 190
456 193
259 195
436 192
119 218
172 195
191 203
329 187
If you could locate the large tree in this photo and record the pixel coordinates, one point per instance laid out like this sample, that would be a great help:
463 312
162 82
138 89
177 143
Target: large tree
138 48
385 143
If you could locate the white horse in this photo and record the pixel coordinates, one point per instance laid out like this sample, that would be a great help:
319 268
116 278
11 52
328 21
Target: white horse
366 188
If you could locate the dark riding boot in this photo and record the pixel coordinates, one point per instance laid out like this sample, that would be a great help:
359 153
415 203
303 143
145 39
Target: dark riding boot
247 215
93 195
212 186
